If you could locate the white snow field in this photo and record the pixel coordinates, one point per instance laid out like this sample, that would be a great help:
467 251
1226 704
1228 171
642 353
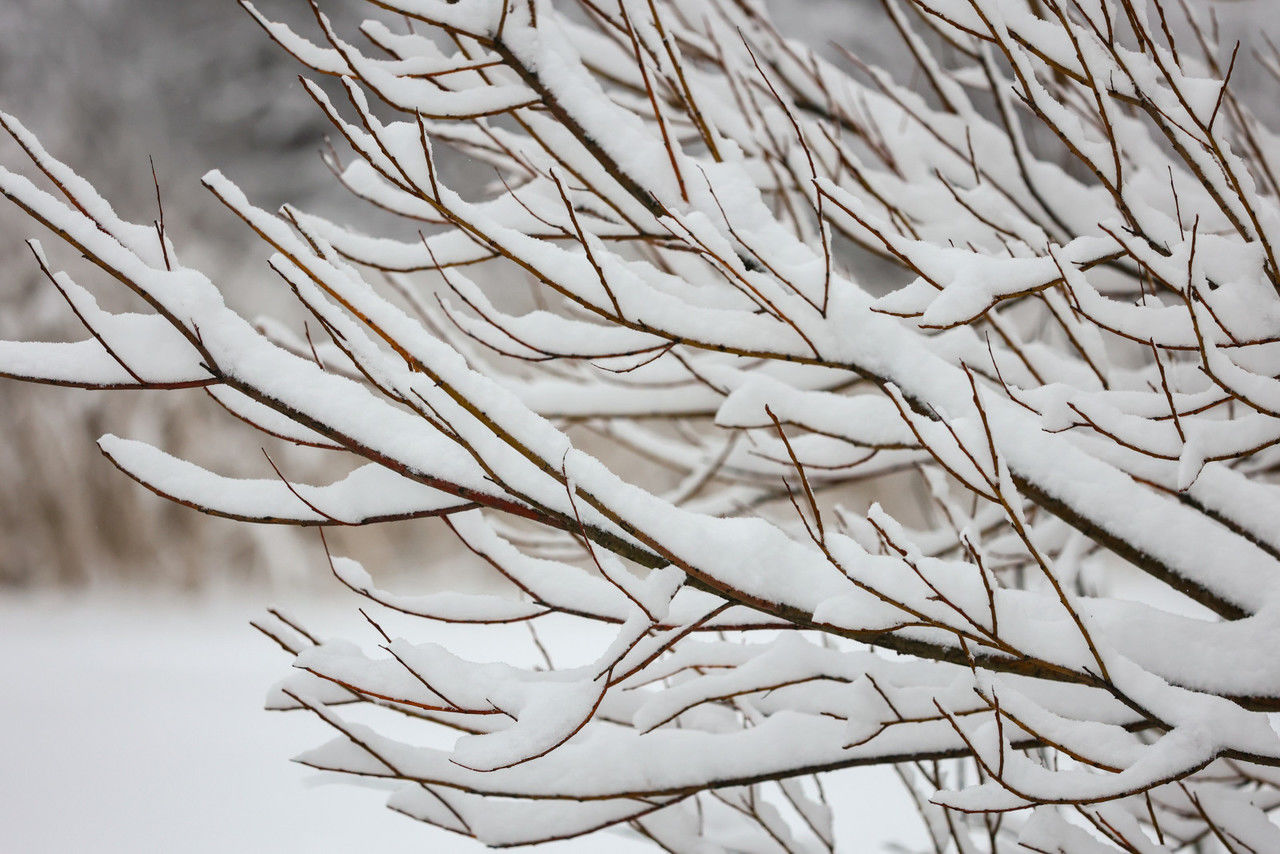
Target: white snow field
134 723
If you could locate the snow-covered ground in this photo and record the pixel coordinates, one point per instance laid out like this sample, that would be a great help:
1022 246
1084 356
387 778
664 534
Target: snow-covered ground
135 723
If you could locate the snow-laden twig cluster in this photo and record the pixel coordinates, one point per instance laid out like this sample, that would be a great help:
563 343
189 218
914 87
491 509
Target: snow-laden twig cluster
1068 348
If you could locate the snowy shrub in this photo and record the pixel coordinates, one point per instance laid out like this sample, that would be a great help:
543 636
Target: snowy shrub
722 293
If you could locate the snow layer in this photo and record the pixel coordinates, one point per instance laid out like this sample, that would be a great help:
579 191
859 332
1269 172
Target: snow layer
135 723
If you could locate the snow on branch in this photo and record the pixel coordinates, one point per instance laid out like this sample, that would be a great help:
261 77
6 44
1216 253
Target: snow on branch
933 426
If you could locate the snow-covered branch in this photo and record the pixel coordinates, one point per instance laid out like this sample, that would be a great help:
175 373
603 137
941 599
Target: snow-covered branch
933 427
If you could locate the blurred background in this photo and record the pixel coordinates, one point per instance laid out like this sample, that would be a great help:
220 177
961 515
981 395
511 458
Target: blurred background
108 84
123 636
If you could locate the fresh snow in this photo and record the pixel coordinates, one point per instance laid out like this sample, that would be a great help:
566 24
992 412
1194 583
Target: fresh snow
135 722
